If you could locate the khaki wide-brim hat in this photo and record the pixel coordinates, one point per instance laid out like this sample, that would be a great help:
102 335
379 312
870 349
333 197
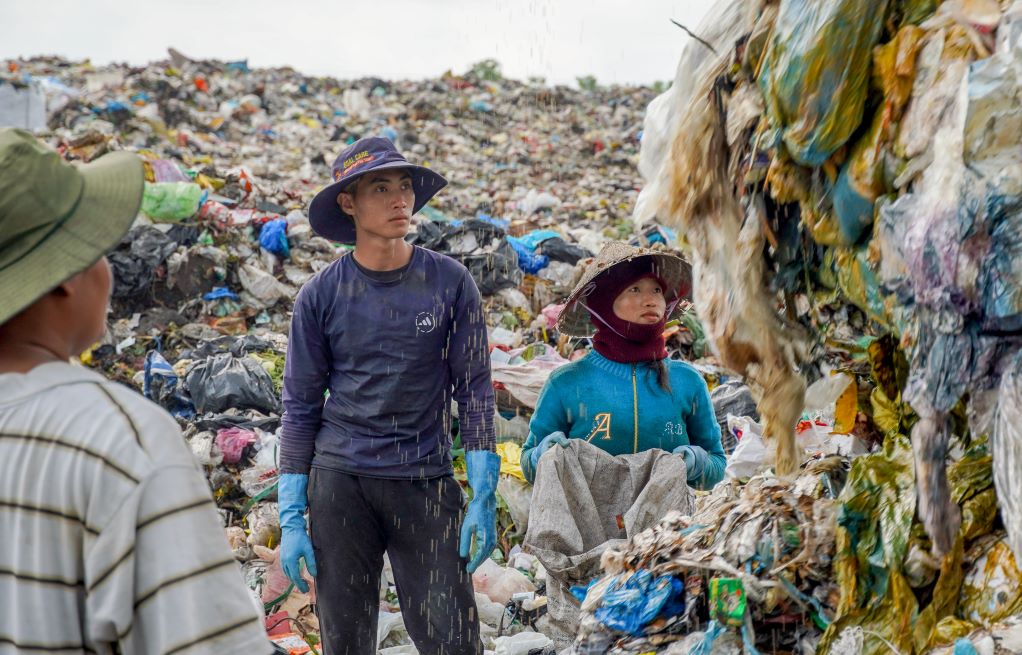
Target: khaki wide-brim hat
58 219
673 270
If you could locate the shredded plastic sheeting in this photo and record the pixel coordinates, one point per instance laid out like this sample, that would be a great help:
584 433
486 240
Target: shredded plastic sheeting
1007 453
815 74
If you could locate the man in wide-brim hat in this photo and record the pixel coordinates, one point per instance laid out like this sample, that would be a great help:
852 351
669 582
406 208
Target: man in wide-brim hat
394 333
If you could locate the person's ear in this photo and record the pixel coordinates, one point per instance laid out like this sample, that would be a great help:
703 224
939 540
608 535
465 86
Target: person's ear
66 288
347 203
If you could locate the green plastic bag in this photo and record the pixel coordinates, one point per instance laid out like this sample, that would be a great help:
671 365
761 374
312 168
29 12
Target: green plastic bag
171 201
815 73
874 523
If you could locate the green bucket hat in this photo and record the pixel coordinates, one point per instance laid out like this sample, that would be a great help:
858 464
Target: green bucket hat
57 219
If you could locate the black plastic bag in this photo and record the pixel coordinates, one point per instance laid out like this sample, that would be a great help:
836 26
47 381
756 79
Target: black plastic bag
732 397
493 264
237 346
225 381
135 260
493 271
558 250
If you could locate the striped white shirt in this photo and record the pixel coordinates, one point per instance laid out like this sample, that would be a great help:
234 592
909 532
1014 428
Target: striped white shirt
109 538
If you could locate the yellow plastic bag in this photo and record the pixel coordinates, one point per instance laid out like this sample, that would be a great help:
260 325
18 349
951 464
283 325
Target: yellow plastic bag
951 629
510 459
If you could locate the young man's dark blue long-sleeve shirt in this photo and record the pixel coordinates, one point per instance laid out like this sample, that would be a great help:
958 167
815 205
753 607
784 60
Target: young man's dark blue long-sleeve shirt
393 354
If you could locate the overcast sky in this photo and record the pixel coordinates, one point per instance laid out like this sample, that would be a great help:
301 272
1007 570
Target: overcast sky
615 40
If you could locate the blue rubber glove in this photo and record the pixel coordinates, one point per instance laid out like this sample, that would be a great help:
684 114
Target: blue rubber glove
694 458
481 517
552 439
292 499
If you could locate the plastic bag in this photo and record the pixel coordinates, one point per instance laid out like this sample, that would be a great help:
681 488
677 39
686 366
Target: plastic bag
971 481
992 589
517 494
224 382
558 250
264 288
528 260
874 518
498 583
493 271
136 259
534 239
525 379
950 629
629 605
172 201
257 479
387 625
862 179
161 384
522 643
232 443
815 73
264 525
201 444
832 399
751 454
535 201
273 237
1007 453
510 460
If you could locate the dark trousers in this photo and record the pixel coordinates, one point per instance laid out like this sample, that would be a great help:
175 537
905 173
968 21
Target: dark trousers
353 521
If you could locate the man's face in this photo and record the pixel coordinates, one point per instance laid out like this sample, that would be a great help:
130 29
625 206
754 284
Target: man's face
381 204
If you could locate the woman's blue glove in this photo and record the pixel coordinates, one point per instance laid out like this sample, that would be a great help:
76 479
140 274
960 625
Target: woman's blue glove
552 439
481 517
292 499
695 457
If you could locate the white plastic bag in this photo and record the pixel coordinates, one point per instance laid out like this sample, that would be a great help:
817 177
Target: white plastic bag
389 623
521 643
498 583
1007 451
490 612
822 396
518 496
751 454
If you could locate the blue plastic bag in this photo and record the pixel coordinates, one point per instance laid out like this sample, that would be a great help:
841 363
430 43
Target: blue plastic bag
499 222
273 237
630 606
161 385
220 292
536 237
528 261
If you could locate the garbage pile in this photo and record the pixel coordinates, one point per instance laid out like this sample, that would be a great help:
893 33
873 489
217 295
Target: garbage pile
733 560
847 182
204 282
807 564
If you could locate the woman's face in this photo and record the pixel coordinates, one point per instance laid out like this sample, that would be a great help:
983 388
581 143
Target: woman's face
641 302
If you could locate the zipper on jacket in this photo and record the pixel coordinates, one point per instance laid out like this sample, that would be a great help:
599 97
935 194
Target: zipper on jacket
635 412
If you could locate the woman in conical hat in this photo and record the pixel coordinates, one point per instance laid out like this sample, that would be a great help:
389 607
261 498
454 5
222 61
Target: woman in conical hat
626 396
